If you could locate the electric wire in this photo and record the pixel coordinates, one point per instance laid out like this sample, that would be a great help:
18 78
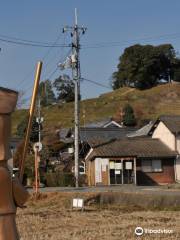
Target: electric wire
43 58
25 42
97 83
33 44
119 43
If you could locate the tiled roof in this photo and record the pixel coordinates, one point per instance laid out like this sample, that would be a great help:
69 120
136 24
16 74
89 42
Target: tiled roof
103 134
144 131
133 147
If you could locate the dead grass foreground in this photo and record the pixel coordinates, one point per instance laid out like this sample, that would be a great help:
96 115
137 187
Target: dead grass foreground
51 217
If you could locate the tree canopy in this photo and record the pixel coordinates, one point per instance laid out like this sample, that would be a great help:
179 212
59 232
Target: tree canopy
21 129
65 88
46 93
144 66
128 116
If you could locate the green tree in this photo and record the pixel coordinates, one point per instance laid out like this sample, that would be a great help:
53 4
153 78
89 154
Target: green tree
46 93
128 116
143 66
176 71
21 129
64 88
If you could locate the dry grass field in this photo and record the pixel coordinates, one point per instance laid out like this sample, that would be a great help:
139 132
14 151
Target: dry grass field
51 217
148 104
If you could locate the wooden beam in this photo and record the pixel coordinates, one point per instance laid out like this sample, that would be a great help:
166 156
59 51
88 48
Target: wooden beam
31 113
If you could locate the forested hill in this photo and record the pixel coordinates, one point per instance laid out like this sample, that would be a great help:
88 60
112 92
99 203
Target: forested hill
147 104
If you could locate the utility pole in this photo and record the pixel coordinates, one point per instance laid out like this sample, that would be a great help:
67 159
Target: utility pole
76 31
39 119
38 146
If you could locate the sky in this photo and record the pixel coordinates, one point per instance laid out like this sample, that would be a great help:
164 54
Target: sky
125 22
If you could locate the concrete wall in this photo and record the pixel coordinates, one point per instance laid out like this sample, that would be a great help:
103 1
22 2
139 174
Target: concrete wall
165 135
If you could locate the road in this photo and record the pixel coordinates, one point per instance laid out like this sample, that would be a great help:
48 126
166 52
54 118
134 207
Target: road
161 190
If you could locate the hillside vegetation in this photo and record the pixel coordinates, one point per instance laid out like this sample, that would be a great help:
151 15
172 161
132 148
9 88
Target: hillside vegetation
148 104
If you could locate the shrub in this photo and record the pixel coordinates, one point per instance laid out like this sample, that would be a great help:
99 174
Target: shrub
59 179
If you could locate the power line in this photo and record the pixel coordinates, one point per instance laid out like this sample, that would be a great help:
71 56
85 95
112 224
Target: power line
25 42
32 44
118 43
96 83
43 58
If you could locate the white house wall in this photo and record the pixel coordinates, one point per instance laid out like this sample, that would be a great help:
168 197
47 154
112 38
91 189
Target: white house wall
165 135
178 143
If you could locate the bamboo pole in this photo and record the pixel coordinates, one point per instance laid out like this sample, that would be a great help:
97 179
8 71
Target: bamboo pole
31 112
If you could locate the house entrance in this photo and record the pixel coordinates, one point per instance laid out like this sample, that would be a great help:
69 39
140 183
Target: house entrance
121 172
128 172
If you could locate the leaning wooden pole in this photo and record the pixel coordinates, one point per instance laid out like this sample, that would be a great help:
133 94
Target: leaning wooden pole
31 112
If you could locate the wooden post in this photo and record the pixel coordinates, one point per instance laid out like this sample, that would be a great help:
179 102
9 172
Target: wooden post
122 176
135 178
31 112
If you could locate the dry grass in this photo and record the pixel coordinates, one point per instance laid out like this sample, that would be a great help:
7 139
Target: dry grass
52 218
163 99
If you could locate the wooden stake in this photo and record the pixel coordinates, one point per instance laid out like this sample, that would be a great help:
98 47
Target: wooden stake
31 112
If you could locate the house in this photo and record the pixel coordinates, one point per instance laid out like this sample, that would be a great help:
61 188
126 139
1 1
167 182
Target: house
108 133
109 122
167 129
14 143
90 136
141 161
143 131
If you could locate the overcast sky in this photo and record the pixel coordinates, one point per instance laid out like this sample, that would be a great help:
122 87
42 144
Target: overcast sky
124 21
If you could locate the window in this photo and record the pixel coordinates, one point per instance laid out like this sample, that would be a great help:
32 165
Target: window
146 166
156 166
82 168
151 165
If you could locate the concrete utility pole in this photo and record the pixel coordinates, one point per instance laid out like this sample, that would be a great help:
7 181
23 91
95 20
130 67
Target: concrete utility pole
39 119
76 31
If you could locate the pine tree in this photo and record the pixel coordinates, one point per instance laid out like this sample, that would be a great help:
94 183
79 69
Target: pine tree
128 116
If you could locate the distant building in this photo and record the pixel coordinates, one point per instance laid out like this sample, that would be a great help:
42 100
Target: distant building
167 129
93 134
142 161
14 143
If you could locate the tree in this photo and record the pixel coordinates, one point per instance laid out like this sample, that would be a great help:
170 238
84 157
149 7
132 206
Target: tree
64 88
176 72
21 100
128 116
47 96
21 129
144 66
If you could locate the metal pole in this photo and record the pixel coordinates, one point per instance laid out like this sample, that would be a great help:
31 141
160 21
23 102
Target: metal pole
76 102
31 112
36 170
39 120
